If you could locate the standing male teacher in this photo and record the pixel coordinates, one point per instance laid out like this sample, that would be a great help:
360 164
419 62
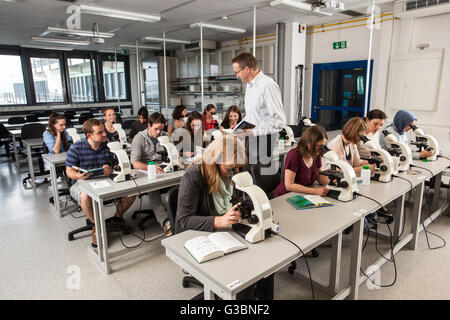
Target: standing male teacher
263 106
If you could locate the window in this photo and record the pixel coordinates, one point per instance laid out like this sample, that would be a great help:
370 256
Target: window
151 81
12 87
47 79
114 86
80 76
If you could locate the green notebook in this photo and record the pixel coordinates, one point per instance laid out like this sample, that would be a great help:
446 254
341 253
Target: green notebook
308 201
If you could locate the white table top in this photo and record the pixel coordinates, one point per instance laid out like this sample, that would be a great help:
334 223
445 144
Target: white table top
55 158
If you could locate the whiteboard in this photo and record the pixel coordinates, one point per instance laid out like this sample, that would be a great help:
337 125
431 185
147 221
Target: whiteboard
414 81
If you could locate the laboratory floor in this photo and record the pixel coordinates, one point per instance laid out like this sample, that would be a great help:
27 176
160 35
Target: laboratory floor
38 261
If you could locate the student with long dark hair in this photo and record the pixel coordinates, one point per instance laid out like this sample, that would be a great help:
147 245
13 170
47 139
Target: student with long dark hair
303 165
232 118
176 121
56 137
141 124
208 120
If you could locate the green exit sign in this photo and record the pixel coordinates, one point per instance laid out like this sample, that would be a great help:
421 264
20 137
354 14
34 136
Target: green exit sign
126 52
340 45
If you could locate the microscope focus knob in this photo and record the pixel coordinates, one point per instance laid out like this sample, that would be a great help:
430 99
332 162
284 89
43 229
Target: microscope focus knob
343 184
253 219
383 168
402 158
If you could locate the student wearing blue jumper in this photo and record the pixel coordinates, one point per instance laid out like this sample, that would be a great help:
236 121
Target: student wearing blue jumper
403 120
92 153
56 137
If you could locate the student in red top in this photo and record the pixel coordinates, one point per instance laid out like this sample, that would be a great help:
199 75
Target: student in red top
303 165
208 121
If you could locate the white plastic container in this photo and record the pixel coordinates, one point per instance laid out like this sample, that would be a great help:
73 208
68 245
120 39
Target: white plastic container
281 144
151 171
365 175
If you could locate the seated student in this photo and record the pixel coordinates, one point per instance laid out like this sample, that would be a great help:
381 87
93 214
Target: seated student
346 147
141 124
176 121
303 165
191 136
208 121
232 118
91 153
145 148
403 120
56 137
205 193
346 144
374 122
110 119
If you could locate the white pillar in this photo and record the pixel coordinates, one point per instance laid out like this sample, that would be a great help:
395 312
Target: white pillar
366 100
165 73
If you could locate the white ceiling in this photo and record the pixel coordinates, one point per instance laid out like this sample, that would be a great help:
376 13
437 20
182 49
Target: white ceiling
23 19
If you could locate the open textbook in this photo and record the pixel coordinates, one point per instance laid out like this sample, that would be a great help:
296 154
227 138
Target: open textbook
308 201
217 244
243 125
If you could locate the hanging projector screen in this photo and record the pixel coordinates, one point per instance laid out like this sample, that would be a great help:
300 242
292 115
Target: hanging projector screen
414 81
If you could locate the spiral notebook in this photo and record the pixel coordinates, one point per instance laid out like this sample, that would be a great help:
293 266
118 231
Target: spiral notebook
308 202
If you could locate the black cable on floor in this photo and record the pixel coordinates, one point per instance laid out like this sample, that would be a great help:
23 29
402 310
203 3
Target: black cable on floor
304 257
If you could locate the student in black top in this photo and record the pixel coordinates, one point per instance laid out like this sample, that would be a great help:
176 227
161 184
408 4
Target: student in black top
110 119
232 118
141 124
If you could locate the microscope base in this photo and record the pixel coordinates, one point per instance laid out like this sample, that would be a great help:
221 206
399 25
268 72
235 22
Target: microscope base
242 230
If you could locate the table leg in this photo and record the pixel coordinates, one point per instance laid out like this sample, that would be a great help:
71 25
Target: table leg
207 293
54 179
335 262
355 260
437 191
417 210
16 154
102 241
30 166
399 216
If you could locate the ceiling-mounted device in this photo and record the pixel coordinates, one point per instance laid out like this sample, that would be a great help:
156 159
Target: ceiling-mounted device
217 27
303 7
118 14
194 46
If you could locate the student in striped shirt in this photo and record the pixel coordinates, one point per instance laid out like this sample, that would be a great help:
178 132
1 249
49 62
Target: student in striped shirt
91 153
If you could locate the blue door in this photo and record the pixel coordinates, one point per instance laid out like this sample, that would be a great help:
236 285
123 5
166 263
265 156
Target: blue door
338 92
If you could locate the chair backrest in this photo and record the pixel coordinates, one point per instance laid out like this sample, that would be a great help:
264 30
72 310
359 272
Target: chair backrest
32 130
32 118
127 124
172 202
267 182
46 113
69 114
16 120
83 117
4 133
118 118
297 130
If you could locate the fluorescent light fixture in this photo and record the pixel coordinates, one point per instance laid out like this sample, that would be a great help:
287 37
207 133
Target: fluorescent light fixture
83 33
155 39
63 41
217 27
140 47
45 47
298 6
118 14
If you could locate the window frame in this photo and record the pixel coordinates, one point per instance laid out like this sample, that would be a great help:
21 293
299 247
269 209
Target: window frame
95 85
15 51
106 57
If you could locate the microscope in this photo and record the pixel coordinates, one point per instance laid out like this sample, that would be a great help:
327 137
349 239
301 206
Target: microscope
427 142
73 134
124 167
256 220
304 124
122 136
399 149
170 157
343 183
288 135
384 164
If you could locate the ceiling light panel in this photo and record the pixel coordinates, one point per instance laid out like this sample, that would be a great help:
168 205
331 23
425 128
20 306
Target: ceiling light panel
217 27
156 39
62 41
118 14
83 33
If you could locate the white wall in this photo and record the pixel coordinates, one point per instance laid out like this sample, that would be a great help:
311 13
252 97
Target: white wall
320 50
390 38
432 30
294 54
